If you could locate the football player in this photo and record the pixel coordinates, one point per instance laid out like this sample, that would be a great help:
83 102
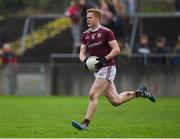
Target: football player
100 41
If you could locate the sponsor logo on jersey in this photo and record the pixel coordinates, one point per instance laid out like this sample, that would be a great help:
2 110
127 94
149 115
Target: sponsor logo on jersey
93 45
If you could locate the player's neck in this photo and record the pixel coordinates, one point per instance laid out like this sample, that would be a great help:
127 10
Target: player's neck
93 29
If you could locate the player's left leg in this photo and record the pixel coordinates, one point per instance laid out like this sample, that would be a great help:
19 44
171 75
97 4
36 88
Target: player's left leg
117 99
143 92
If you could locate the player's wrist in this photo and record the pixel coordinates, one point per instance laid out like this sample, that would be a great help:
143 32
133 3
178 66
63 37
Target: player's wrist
84 61
103 60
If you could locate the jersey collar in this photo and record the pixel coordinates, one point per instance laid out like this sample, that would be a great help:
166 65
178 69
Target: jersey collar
94 30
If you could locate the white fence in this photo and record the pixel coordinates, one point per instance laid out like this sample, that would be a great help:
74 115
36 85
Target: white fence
72 79
26 79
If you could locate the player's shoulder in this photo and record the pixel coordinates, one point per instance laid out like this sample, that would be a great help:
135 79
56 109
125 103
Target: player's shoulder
105 29
87 31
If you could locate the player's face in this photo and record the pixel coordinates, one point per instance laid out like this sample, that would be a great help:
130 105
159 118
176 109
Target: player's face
92 21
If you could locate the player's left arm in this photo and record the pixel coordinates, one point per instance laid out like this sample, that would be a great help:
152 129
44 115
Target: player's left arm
115 50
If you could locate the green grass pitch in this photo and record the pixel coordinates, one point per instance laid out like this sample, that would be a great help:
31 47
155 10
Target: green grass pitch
51 116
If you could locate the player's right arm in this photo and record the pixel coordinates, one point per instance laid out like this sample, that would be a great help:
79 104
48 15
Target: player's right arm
82 54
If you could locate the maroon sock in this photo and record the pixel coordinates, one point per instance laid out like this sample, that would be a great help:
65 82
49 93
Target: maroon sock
138 94
86 122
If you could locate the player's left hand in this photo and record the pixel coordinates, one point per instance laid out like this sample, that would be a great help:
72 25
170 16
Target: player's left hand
101 63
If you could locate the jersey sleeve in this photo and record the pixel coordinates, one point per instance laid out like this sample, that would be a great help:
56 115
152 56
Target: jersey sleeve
83 39
110 36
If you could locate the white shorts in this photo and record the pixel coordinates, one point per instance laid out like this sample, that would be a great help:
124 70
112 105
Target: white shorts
108 73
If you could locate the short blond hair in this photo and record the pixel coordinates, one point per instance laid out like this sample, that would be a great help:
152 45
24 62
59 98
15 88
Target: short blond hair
97 13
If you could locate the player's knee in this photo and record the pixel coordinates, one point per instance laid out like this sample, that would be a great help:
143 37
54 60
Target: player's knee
92 96
115 103
93 99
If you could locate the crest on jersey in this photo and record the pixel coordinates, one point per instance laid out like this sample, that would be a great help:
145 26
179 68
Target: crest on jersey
99 35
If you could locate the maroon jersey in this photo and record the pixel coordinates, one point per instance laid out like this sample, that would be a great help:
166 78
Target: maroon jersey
97 42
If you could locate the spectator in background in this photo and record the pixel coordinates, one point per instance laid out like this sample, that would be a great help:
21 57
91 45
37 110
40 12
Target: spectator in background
176 52
125 51
129 6
143 48
73 12
161 48
125 48
118 20
8 56
84 5
113 17
177 5
106 14
130 9
9 63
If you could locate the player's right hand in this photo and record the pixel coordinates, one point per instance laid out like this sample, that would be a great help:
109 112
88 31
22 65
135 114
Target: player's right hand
84 62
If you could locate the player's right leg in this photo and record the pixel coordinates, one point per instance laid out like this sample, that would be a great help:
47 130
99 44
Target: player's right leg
97 88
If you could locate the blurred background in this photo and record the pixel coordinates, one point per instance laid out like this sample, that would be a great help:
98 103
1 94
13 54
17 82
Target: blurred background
40 40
